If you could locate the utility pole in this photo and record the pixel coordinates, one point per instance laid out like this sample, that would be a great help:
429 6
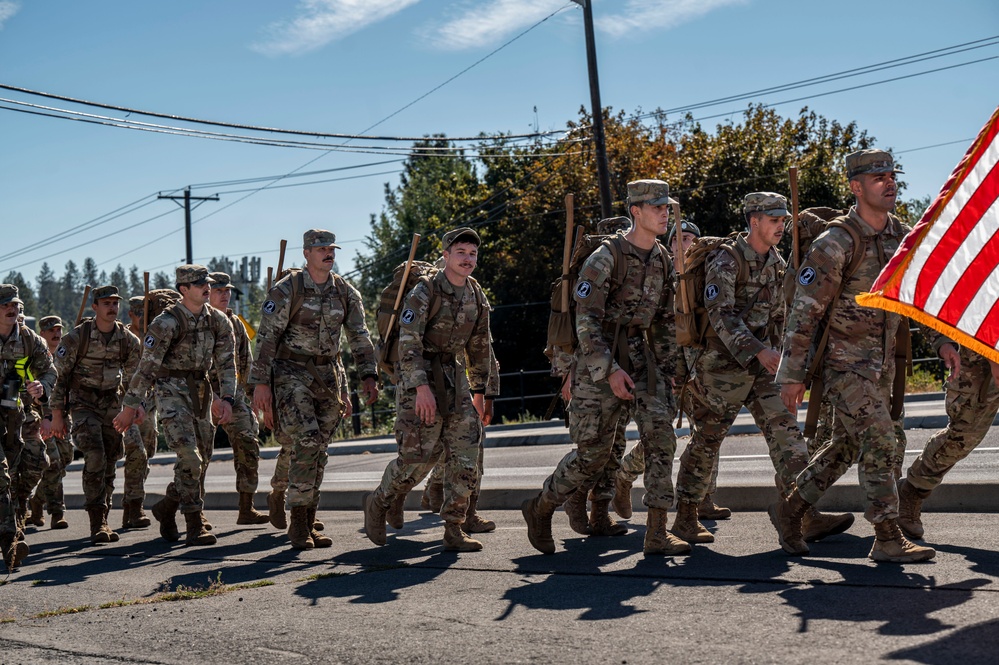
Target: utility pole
186 205
599 146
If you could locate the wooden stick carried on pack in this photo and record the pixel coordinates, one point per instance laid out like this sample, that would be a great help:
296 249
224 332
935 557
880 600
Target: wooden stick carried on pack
145 301
792 174
280 268
83 304
270 277
405 277
568 248
678 235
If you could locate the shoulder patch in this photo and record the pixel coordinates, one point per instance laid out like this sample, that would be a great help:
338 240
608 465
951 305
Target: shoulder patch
806 276
61 351
583 290
710 291
149 342
269 307
407 316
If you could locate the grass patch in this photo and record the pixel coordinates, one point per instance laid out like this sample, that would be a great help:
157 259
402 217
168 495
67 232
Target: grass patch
39 582
7 620
526 417
63 610
922 381
320 576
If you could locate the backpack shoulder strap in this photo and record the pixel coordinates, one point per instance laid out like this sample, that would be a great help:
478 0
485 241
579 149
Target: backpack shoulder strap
297 293
174 311
84 346
620 263
859 245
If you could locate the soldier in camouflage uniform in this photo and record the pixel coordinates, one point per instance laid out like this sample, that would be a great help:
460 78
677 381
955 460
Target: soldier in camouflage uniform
180 346
26 370
94 360
34 459
860 341
242 430
140 441
625 360
443 361
299 380
58 449
972 404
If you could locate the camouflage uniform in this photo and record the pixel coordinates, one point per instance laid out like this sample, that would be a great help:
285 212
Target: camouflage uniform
59 451
243 429
33 460
140 440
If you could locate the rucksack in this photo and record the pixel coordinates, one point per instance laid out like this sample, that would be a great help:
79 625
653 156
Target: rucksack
692 324
297 297
811 223
159 301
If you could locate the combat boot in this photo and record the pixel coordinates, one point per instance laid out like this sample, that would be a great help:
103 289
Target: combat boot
890 545
20 512
299 532
910 507
622 497
455 540
247 513
37 516
687 527
14 551
658 539
318 526
375 509
786 516
275 507
59 520
816 526
107 509
433 497
204 521
473 522
709 510
100 532
318 539
165 512
396 513
575 510
601 523
538 515
138 515
197 534
126 513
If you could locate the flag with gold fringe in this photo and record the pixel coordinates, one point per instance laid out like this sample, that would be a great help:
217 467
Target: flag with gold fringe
946 273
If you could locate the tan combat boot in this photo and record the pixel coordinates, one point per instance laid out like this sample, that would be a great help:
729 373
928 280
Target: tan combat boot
890 545
658 539
709 510
433 497
575 510
622 496
786 516
14 551
686 527
165 512
910 507
318 526
396 513
473 522
275 507
37 516
247 513
59 520
139 519
107 511
126 514
375 509
601 523
204 521
816 526
299 530
455 539
538 515
197 534
318 539
100 532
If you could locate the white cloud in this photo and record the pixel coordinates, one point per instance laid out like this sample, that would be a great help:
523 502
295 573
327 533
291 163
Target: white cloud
662 14
7 9
320 22
489 23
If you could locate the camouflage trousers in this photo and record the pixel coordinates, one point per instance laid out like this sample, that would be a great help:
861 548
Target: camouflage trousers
190 436
140 445
972 404
456 436
437 475
242 431
306 417
712 404
10 450
595 416
828 427
869 438
603 487
50 490
31 462
94 435
282 464
633 465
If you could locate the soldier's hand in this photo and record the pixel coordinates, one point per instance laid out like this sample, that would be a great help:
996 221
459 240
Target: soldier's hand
58 423
370 388
770 360
567 386
35 389
426 405
478 402
45 429
348 406
622 385
792 394
487 411
140 416
262 401
952 360
225 412
124 419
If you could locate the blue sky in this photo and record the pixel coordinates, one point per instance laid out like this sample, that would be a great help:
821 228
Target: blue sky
341 66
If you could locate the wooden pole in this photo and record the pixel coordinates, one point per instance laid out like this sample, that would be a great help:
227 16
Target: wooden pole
145 301
270 277
678 234
568 247
83 304
280 268
792 174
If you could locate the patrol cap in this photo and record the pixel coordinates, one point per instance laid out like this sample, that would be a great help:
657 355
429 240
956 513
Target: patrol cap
109 291
49 322
8 293
461 234
870 161
653 192
193 274
769 203
685 227
319 238
136 304
606 227
223 281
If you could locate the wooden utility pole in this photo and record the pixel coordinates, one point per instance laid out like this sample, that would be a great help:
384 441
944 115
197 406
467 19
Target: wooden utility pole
599 145
186 205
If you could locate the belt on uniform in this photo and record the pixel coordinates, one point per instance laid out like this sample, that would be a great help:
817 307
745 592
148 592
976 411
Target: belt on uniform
437 362
619 350
311 363
193 377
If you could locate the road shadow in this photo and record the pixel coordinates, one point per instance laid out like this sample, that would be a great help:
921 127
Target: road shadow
971 644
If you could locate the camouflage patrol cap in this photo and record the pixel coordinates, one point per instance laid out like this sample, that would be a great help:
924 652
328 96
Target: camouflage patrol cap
870 161
686 227
193 274
223 281
461 234
606 227
49 322
653 192
109 291
769 203
136 304
8 293
319 238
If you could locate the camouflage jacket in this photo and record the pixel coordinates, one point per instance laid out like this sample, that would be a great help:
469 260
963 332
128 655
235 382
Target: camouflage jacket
244 357
459 330
106 367
26 343
860 338
208 340
644 300
315 329
725 298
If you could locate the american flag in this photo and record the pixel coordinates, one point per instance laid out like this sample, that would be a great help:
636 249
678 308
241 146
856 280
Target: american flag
946 273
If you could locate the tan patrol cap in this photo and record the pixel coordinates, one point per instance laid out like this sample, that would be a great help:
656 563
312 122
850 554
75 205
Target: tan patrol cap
653 192
109 291
870 161
769 203
461 234
319 238
49 322
190 273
